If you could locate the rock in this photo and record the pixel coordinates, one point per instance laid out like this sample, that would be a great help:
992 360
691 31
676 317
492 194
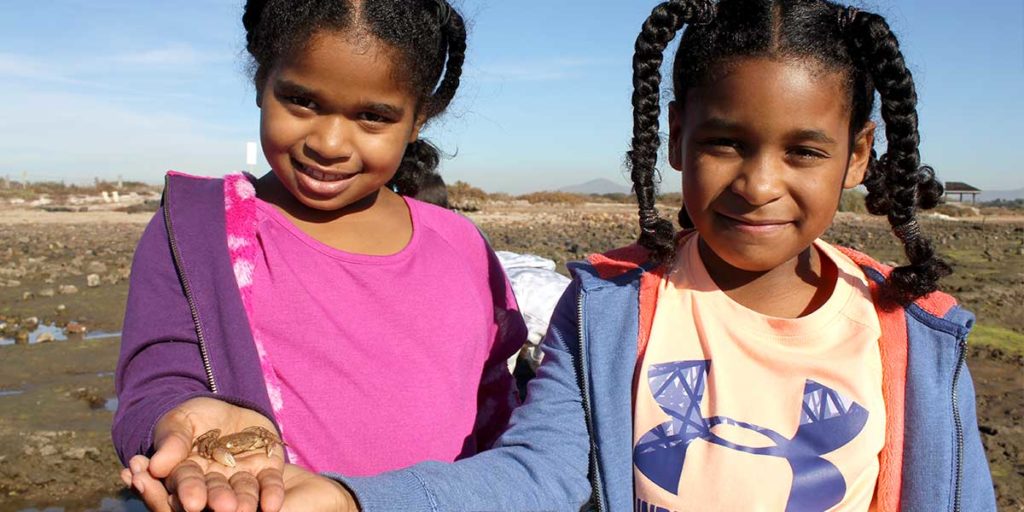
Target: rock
45 337
30 323
27 296
11 283
92 280
47 450
21 338
81 453
47 292
96 267
61 308
67 289
75 328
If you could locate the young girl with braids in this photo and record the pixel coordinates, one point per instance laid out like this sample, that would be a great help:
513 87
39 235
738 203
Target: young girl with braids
319 301
742 363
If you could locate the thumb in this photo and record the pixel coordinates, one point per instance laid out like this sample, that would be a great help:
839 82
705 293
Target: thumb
172 438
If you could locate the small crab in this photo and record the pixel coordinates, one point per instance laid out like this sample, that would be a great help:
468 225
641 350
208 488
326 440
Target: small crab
223 449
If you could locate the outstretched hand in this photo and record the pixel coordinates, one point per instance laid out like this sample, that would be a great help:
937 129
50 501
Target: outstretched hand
305 491
192 482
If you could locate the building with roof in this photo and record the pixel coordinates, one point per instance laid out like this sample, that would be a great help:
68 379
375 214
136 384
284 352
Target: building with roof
960 189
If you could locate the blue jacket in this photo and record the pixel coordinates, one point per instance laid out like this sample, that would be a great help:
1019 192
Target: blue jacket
570 444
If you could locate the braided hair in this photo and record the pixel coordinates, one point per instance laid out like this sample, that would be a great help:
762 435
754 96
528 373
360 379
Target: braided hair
857 44
428 36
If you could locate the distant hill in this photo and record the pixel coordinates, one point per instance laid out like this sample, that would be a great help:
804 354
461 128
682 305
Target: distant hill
598 186
1005 195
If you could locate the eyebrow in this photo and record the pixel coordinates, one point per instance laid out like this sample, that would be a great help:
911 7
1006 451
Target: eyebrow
718 123
813 135
293 88
384 109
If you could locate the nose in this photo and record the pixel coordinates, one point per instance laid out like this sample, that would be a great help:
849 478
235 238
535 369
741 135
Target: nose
760 180
329 138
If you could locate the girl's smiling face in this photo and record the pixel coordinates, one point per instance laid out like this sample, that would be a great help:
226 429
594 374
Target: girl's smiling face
765 153
335 120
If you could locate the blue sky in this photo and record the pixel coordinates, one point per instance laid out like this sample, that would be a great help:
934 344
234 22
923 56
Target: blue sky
105 88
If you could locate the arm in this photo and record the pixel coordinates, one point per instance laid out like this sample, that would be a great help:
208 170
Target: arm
539 463
977 493
160 365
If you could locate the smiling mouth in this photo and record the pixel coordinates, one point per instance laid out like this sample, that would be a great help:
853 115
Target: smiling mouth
755 226
319 175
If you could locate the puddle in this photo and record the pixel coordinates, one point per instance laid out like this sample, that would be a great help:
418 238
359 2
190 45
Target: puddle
11 392
106 505
105 374
59 335
111 404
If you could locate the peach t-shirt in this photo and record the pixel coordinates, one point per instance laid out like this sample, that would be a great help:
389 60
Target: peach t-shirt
735 410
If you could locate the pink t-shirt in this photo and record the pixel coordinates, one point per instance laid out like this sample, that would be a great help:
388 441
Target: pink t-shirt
379 360
736 410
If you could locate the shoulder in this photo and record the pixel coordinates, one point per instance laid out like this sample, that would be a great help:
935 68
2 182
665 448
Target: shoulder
450 227
937 303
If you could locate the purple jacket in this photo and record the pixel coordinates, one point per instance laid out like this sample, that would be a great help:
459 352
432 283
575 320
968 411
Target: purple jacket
186 333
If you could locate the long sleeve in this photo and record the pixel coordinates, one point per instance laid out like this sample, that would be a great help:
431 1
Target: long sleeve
160 364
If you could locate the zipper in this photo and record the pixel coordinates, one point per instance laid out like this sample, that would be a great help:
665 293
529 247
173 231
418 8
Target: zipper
179 268
581 380
958 423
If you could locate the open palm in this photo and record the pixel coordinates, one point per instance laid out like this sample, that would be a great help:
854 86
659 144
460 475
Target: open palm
195 482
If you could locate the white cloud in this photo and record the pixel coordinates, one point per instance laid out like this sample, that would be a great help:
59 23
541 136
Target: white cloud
175 54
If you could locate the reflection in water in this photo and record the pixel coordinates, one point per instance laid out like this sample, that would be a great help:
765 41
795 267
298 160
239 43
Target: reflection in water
11 392
111 404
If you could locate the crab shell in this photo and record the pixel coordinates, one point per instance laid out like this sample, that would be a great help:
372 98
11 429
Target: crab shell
223 449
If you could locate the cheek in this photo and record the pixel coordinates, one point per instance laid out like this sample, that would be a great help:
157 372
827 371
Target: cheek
278 131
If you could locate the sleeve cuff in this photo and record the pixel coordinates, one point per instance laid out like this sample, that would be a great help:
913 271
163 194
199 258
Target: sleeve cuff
397 490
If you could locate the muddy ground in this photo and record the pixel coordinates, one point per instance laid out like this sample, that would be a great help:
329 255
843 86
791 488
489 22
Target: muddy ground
55 397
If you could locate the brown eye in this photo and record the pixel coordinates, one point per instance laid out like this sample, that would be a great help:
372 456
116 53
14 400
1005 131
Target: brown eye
302 102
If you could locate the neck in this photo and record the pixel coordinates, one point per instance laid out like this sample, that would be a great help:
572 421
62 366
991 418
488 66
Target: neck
378 224
793 289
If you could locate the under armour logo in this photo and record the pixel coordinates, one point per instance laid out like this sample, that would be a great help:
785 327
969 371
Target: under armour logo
827 422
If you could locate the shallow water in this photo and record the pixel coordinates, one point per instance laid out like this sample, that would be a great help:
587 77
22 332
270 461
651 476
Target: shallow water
59 335
106 505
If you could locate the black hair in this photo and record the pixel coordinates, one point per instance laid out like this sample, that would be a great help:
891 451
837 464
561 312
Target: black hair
856 43
427 36
434 191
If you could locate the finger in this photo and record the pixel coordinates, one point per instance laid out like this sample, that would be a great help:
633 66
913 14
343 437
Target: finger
188 484
152 492
172 438
247 490
271 489
220 496
126 476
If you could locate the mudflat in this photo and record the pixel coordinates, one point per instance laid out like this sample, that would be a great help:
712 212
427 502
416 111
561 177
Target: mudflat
67 272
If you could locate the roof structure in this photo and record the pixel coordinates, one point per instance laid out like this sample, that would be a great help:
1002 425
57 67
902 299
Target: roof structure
959 186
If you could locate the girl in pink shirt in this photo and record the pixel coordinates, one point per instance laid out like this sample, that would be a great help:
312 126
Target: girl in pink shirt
381 324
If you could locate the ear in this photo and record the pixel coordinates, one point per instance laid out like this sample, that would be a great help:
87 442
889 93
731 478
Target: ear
417 125
857 167
675 136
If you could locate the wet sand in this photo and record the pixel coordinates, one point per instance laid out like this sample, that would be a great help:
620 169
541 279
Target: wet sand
55 413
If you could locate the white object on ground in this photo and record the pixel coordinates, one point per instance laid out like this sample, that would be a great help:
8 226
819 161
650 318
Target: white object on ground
537 287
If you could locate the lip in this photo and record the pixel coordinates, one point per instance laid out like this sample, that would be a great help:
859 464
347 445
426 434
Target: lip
321 182
754 226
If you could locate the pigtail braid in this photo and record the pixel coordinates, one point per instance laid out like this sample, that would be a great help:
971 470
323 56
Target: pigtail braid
898 185
453 31
656 233
421 157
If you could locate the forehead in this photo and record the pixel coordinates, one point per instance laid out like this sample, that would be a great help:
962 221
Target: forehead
774 94
344 63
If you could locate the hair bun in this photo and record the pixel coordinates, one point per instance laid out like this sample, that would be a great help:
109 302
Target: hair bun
251 16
